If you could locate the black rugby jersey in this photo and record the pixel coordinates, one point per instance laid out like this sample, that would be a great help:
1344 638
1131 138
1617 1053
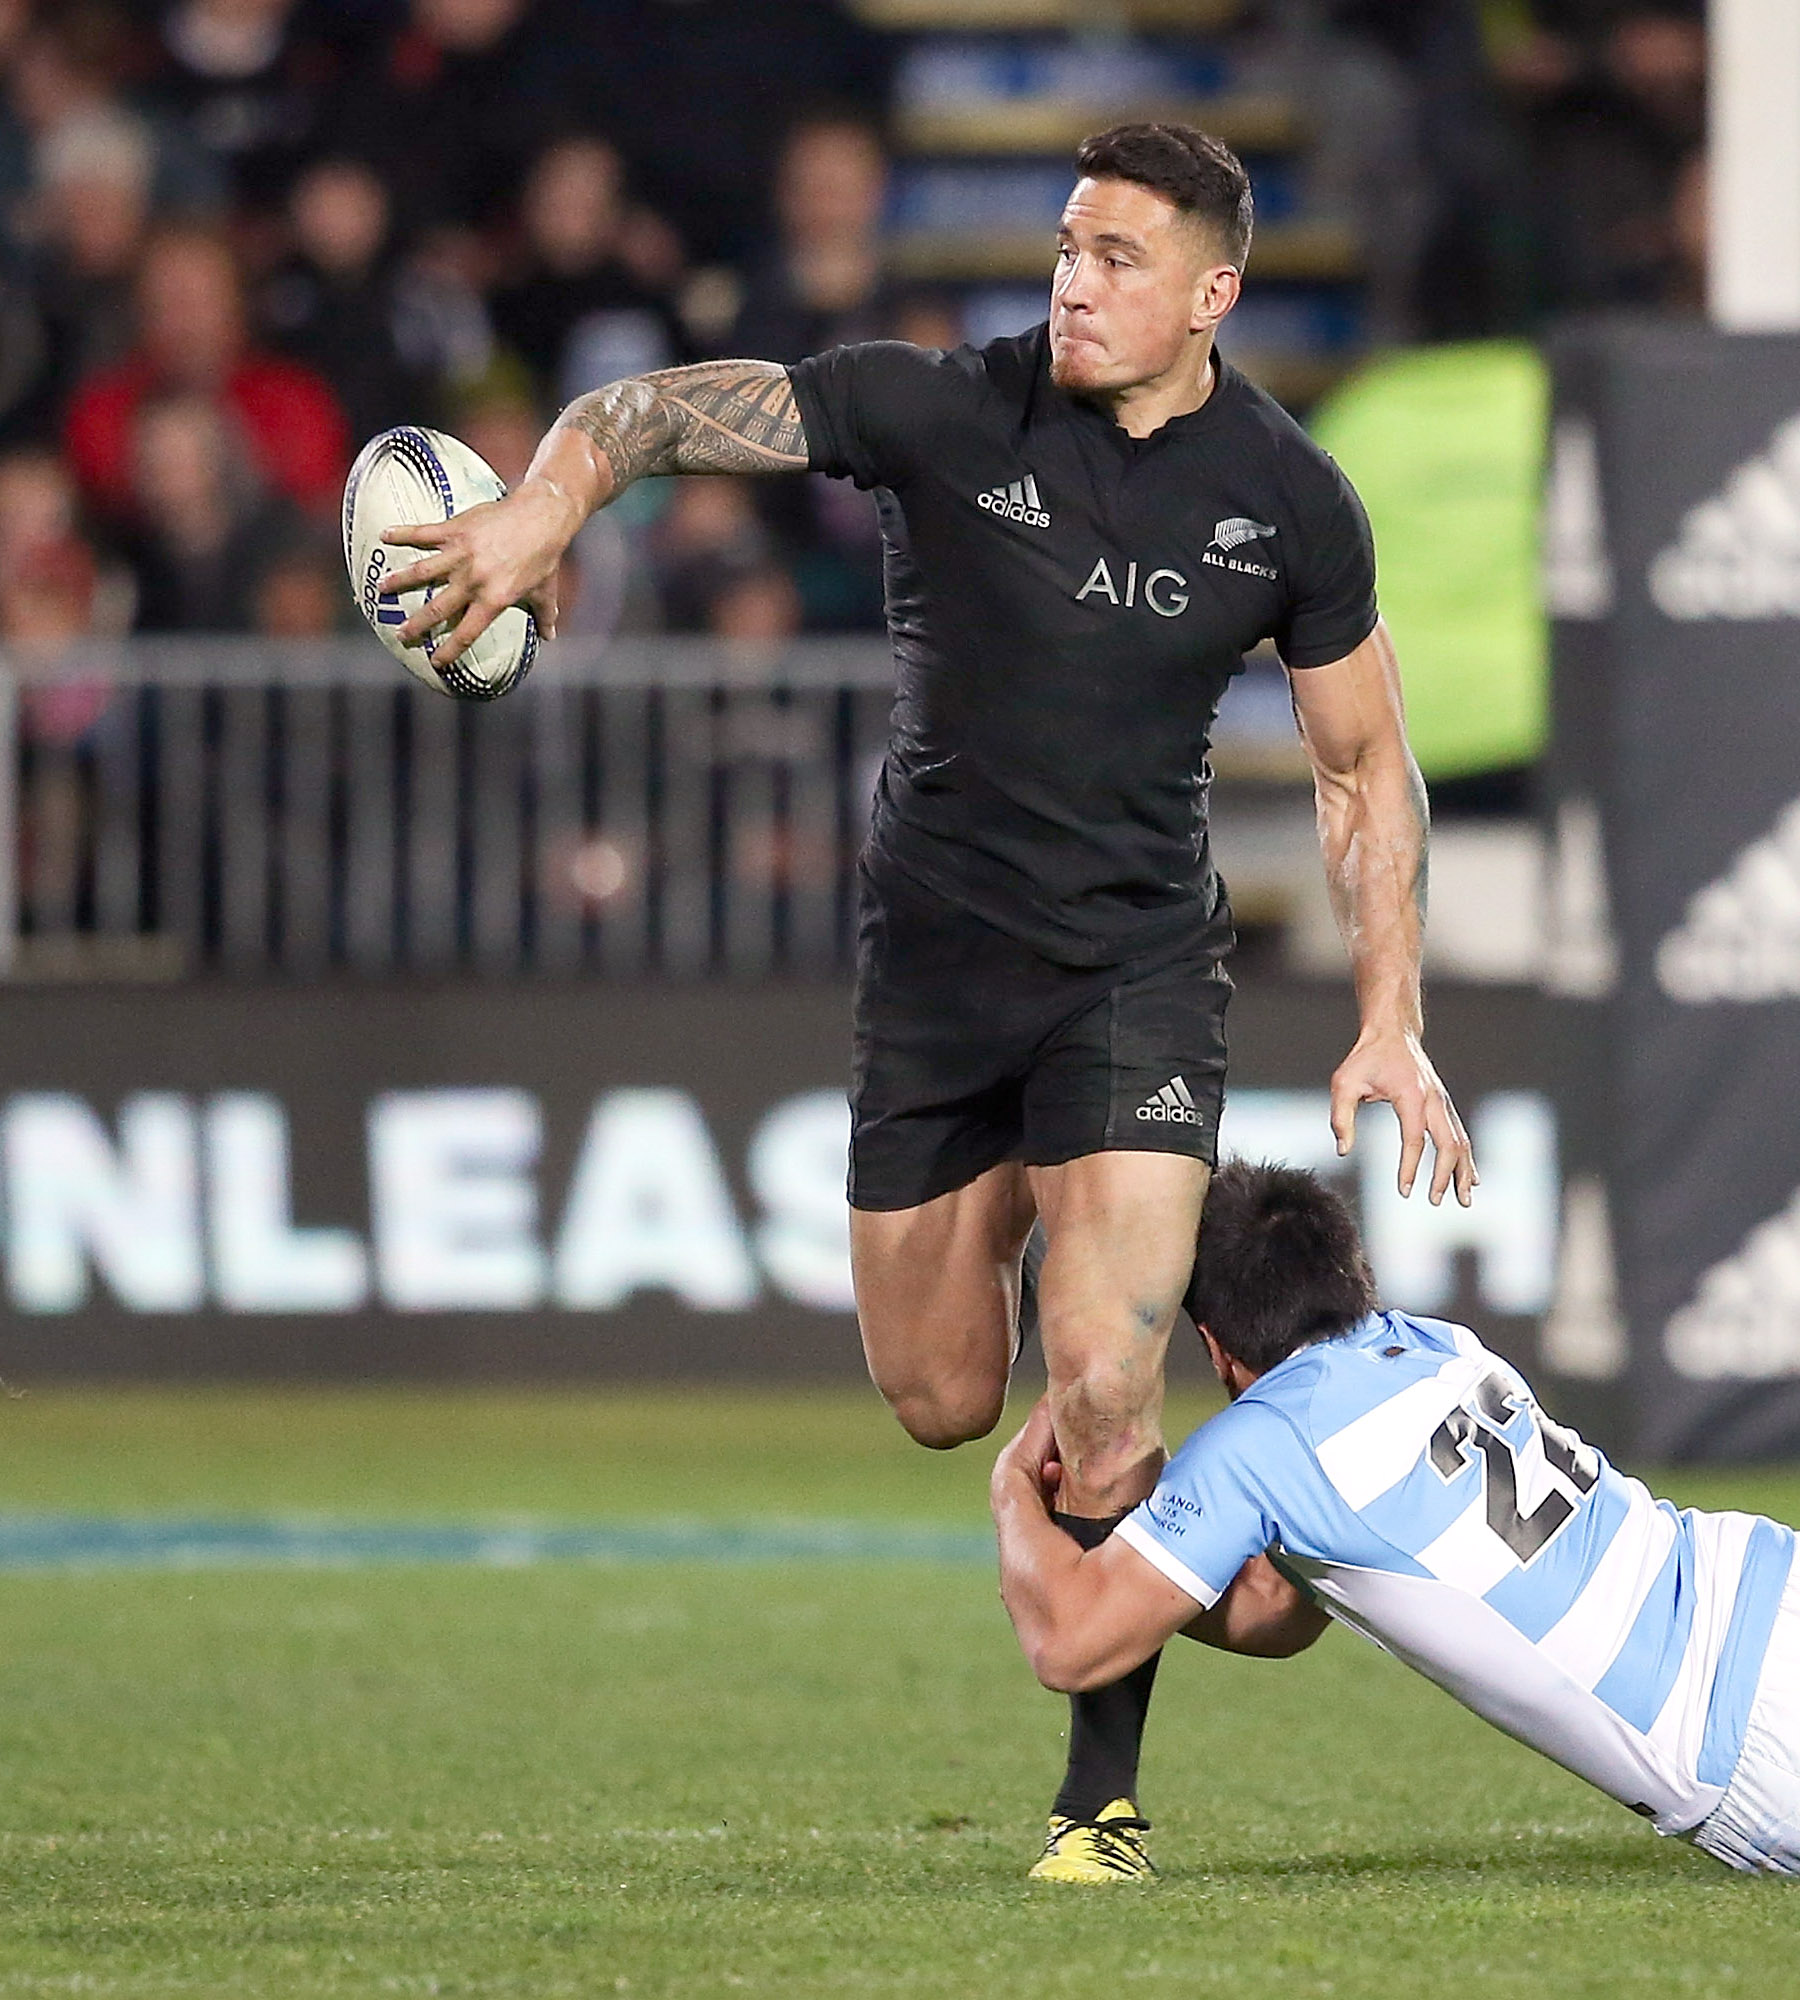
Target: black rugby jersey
1067 604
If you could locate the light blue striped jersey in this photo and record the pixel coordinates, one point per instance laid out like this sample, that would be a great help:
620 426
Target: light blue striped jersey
1407 1475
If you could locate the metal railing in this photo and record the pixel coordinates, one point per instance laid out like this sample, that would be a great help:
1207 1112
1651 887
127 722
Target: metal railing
659 806
253 807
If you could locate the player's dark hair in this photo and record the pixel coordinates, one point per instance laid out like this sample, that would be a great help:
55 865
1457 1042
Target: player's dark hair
1201 175
1280 1264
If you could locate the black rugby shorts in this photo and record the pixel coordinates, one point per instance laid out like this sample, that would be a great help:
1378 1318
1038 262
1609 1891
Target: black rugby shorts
971 1049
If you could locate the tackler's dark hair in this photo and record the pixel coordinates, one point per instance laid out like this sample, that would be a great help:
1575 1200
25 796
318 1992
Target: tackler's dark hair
1279 1266
1201 175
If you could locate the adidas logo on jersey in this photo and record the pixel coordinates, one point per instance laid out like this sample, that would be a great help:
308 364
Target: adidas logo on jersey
1739 938
1172 1105
1738 554
1017 502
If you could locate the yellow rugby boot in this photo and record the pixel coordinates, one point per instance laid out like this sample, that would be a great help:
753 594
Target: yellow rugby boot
1107 1848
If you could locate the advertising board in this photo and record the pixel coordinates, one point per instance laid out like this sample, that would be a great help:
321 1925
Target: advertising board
1677 588
580 1181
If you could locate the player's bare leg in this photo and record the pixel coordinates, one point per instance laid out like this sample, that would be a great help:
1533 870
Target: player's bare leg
937 1295
1121 1229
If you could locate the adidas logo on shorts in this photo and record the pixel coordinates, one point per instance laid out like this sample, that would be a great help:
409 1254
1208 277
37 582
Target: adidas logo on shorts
1172 1105
1017 502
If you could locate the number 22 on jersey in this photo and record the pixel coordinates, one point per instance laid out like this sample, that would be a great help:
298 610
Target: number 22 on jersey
1478 1427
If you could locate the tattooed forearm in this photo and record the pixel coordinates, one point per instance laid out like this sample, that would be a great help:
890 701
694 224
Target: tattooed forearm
721 416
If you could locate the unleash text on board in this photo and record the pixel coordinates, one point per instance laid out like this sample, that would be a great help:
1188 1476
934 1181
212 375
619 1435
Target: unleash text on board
177 1203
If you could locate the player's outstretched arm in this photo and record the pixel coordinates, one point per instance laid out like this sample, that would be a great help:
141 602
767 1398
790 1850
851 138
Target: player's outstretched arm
719 416
1373 825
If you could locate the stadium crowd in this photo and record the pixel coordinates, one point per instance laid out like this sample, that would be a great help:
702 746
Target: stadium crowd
239 236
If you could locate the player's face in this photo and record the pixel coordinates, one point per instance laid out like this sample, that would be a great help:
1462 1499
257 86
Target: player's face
1136 283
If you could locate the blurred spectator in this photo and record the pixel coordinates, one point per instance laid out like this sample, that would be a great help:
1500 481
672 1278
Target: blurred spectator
95 174
1582 24
698 93
441 325
1364 167
48 598
709 540
15 146
74 62
926 319
820 282
1656 55
1690 219
47 595
24 357
208 528
453 106
90 215
47 592
192 340
1454 273
300 593
37 504
38 510
603 587
755 606
591 303
1614 102
24 344
334 303
245 87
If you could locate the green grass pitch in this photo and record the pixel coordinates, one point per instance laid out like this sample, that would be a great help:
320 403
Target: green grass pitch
798 1779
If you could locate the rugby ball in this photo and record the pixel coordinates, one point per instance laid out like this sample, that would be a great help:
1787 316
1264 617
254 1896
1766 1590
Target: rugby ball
400 479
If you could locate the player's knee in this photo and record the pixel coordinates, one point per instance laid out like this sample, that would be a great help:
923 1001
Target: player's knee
941 1416
1103 1413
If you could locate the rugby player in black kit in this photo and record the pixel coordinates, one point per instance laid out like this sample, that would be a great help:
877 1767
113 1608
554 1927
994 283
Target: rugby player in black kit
1087 528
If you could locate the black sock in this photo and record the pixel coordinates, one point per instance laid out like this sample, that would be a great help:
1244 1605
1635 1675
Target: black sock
1106 1725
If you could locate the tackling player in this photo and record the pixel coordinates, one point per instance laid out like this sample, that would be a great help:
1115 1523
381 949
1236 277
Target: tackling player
1086 527
1392 1473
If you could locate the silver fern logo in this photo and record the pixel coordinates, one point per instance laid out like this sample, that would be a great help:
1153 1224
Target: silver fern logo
1234 533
